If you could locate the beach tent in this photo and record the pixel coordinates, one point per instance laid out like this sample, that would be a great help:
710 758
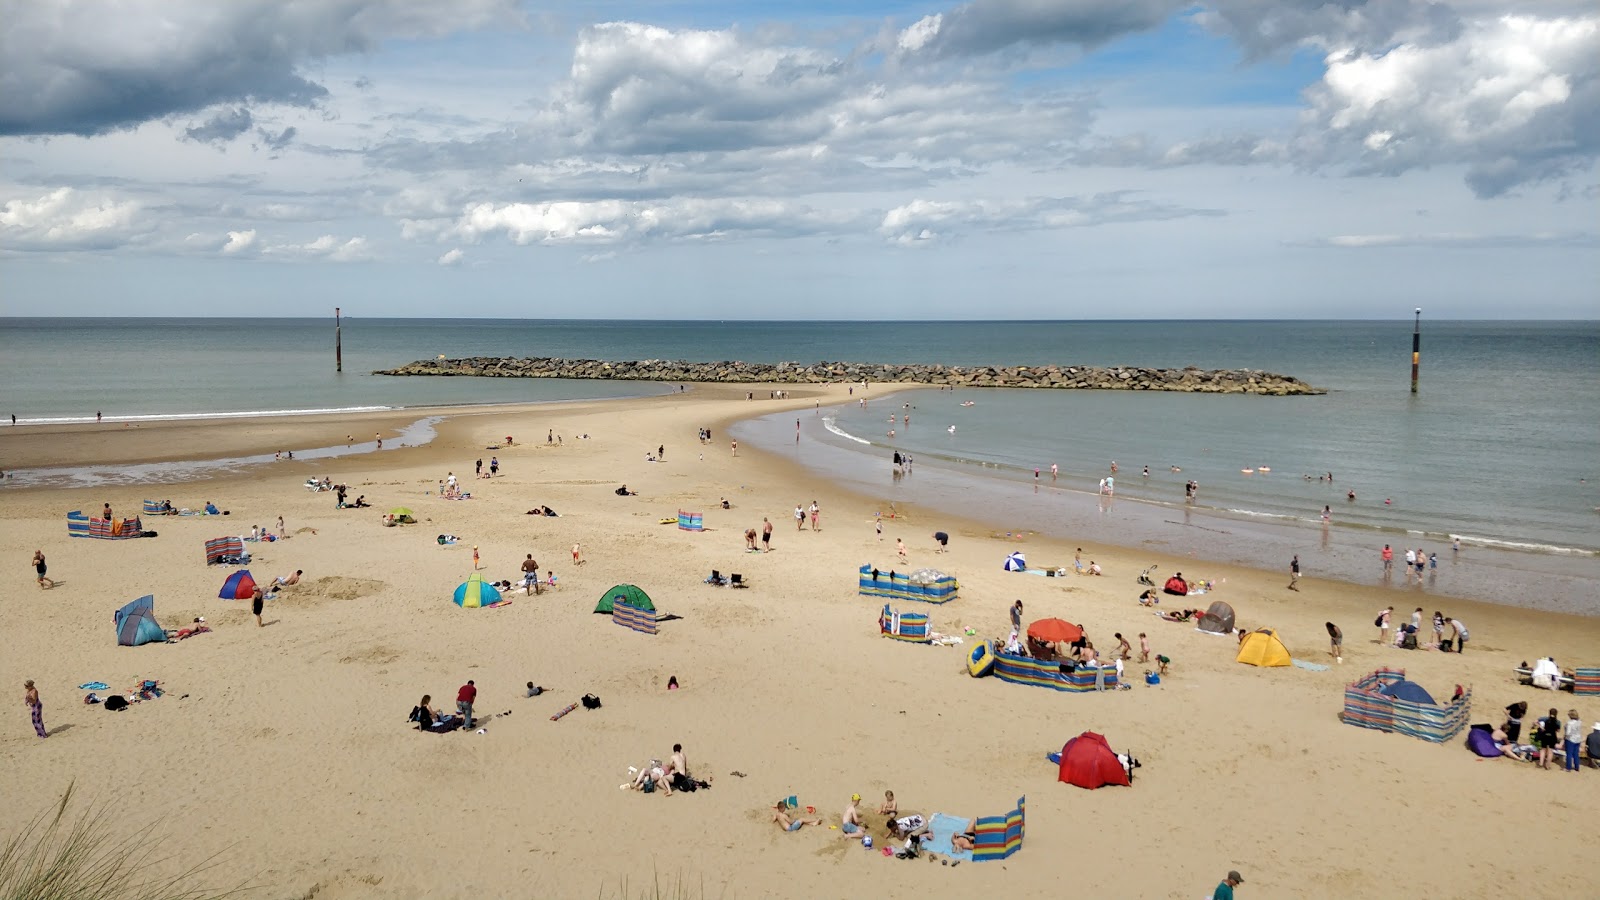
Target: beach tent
239 586
475 593
1088 762
1016 563
690 521
1480 740
1409 691
403 515
1217 619
136 623
1262 648
980 662
624 593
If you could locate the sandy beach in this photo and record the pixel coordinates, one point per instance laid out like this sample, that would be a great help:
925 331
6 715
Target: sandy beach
283 755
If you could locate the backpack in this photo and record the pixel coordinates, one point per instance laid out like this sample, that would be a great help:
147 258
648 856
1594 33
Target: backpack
590 701
1378 622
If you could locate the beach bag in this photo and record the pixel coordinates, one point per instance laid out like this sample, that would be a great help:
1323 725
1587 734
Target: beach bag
1445 645
649 786
116 702
1152 678
590 701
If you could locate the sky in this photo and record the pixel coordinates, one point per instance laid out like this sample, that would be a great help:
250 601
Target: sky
996 159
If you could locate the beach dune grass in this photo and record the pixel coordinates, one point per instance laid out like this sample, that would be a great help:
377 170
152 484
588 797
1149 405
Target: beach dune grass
77 853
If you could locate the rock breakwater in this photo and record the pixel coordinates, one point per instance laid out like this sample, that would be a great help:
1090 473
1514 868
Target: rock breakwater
1115 378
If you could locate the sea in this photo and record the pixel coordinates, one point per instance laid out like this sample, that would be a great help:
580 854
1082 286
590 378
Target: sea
1499 447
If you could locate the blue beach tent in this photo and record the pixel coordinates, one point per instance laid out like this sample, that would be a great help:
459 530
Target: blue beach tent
136 623
1409 691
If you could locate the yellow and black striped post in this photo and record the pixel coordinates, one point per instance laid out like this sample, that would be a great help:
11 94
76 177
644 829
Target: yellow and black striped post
1416 349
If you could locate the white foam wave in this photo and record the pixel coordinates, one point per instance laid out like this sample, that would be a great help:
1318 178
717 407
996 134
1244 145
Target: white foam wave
178 417
1264 515
829 423
1523 545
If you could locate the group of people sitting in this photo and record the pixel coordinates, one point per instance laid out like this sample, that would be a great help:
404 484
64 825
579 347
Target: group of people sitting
911 830
1550 735
540 511
665 778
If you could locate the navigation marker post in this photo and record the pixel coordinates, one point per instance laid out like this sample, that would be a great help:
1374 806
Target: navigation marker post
338 349
1416 349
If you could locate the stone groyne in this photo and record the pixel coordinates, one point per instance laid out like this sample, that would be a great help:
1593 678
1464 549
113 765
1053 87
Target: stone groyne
1114 378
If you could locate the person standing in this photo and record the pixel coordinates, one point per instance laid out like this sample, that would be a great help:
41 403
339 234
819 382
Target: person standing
97 416
1411 562
1571 737
1461 634
1054 471
30 697
816 514
1383 624
1016 617
39 568
900 548
258 602
1513 725
1294 572
494 466
478 468
1335 642
1438 627
464 701
766 534
799 517
530 574
282 532
878 524
1224 890
474 558
734 446
1416 621
1388 559
577 553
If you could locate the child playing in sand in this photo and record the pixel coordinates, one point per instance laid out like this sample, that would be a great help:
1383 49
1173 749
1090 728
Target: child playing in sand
889 807
900 548
1144 648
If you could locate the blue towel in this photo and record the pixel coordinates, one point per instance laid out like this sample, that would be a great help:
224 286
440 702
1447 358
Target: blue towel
942 828
93 686
1311 666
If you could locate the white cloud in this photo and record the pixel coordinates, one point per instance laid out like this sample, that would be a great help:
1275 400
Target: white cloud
604 222
1457 240
67 219
452 257
239 242
327 247
923 221
1515 99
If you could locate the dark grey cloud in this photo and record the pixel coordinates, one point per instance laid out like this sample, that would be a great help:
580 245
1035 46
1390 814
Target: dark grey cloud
275 142
222 127
1265 27
986 26
87 67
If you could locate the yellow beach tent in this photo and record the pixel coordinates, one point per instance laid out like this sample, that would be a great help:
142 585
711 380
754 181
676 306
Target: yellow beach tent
1262 648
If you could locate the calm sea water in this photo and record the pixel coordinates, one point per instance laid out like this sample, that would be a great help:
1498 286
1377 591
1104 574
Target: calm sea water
1501 445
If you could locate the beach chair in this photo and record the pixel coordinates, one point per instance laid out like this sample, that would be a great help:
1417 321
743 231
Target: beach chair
737 580
716 579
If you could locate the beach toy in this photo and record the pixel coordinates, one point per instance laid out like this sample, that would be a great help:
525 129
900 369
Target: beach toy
867 842
793 802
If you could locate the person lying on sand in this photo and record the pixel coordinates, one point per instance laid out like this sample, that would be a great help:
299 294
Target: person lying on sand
1183 616
653 775
781 817
287 580
967 839
624 492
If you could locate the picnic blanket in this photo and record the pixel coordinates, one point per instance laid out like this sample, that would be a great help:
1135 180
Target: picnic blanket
941 828
1309 666
93 686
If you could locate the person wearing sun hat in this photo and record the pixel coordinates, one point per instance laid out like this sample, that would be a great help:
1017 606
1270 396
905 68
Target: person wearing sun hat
1224 890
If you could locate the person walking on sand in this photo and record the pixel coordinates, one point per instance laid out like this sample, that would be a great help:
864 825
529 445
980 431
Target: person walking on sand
464 701
816 514
474 558
258 602
577 554
282 532
1294 572
900 548
1016 617
1054 471
799 517
1144 648
734 445
1382 622
878 524
766 534
39 568
30 698
1224 890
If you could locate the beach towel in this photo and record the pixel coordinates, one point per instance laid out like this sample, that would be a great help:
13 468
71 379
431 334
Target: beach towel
94 686
941 828
1309 666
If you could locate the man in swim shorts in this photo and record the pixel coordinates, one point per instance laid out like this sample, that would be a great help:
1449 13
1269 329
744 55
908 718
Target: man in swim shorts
850 820
530 575
780 815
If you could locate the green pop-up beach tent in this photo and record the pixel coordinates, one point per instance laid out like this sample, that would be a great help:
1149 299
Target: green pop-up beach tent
624 593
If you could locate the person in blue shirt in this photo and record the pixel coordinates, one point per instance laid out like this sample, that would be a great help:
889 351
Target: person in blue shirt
1224 890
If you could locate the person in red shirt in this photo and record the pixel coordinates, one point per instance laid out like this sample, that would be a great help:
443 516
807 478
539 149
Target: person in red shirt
464 698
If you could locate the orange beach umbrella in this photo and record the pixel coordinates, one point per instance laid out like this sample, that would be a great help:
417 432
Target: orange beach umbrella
1056 631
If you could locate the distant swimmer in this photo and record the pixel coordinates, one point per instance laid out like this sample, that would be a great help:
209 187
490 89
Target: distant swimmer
951 429
1350 495
1147 471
